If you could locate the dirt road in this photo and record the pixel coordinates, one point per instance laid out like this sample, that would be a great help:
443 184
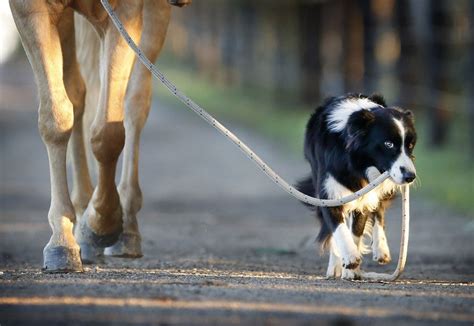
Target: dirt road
222 245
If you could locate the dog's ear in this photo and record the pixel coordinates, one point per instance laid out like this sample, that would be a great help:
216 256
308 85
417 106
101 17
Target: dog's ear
409 115
378 98
357 126
359 121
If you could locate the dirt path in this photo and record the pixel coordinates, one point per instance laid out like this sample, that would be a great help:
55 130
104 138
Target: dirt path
222 244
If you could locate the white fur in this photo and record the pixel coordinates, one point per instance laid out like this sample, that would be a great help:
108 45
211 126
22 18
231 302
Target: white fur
337 120
383 189
366 239
380 248
363 242
401 128
368 202
335 263
351 274
403 160
345 245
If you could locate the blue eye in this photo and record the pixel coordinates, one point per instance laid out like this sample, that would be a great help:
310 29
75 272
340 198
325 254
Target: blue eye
388 144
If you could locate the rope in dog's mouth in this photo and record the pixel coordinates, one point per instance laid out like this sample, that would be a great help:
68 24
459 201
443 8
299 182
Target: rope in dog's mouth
262 165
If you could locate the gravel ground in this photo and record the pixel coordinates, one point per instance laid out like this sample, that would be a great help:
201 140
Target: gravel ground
222 245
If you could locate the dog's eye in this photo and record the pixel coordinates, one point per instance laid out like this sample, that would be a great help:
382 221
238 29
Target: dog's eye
411 145
388 144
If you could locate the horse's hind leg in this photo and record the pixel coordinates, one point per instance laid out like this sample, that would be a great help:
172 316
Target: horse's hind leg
37 22
101 224
76 90
137 105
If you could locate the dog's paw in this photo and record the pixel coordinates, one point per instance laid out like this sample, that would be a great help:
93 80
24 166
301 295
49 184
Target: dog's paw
382 255
351 261
351 274
382 258
334 271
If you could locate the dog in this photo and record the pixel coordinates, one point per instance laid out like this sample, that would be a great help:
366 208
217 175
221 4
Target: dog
350 140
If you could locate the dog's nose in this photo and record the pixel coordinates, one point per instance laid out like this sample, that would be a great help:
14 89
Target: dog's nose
408 176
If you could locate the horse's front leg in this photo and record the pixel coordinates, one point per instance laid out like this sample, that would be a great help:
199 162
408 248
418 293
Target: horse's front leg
37 22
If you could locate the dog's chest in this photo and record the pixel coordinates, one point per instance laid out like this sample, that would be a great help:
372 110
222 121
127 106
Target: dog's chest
368 202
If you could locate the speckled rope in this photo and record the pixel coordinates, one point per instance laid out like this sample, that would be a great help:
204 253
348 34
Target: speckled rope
243 147
254 157
402 256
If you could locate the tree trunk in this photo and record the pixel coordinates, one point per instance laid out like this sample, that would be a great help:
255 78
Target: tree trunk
438 75
310 32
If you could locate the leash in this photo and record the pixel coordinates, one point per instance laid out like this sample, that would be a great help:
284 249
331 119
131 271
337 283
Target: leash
260 163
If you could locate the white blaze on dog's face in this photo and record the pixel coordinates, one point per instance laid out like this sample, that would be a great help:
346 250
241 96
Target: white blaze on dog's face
390 143
403 170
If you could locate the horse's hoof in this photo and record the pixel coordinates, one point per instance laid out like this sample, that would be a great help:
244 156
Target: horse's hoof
91 254
60 259
128 246
87 238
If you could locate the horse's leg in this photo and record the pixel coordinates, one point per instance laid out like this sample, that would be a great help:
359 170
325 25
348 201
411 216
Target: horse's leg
37 22
101 224
88 56
76 90
156 16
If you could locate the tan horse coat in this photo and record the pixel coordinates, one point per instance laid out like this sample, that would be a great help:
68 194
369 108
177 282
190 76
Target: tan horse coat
95 81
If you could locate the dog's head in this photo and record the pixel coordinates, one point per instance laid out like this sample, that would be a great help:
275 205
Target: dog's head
383 138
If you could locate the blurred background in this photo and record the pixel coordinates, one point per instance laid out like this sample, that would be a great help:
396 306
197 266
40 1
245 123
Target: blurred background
267 64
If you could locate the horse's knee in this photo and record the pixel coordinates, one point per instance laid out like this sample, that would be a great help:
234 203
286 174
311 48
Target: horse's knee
56 119
107 141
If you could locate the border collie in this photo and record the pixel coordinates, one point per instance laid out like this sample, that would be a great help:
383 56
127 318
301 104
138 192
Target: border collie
350 140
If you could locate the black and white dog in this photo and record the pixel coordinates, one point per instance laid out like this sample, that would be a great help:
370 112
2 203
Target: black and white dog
349 141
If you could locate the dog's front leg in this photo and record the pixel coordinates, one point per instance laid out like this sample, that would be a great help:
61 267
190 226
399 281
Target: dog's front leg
380 249
335 263
342 241
350 255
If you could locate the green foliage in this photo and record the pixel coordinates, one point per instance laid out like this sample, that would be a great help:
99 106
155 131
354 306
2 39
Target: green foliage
444 174
284 123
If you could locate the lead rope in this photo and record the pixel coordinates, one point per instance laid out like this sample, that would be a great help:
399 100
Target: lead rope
258 161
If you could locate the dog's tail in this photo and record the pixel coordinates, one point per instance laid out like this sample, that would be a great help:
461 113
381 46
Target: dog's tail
306 186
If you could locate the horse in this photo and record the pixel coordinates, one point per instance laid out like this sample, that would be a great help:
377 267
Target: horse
93 98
